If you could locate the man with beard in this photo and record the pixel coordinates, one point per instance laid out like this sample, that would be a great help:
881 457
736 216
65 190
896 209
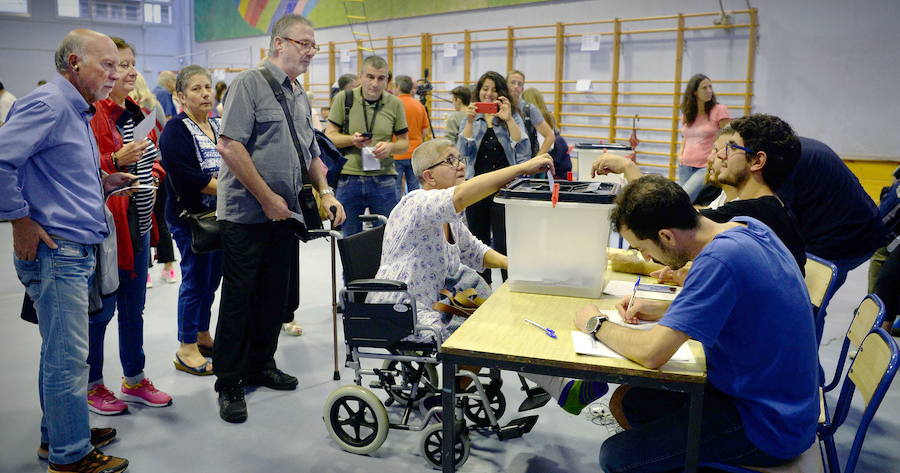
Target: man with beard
755 155
746 302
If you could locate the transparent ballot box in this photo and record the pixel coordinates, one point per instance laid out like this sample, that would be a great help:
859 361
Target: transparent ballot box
557 250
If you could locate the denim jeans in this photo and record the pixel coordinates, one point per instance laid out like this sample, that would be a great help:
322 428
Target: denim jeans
129 300
58 281
691 180
358 193
200 277
657 440
405 169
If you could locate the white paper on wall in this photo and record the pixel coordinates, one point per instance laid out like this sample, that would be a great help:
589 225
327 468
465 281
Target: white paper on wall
590 42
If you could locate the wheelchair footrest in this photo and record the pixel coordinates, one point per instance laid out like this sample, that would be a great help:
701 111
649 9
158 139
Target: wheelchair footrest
517 428
535 397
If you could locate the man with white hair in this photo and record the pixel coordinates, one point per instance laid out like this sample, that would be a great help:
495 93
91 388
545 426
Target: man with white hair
52 190
258 199
165 85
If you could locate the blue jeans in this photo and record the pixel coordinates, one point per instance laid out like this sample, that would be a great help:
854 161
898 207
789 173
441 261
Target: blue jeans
657 440
691 180
405 169
58 282
200 277
129 299
357 193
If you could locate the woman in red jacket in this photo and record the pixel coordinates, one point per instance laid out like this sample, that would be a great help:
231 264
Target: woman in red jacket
113 126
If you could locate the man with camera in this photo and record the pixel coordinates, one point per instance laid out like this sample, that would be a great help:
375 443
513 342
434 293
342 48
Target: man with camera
363 121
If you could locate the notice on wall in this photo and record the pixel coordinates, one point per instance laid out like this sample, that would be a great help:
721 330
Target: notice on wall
451 49
583 85
590 42
345 55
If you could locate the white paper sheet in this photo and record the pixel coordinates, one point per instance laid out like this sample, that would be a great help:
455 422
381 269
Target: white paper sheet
619 288
586 345
613 316
369 161
590 42
583 85
451 49
345 55
145 126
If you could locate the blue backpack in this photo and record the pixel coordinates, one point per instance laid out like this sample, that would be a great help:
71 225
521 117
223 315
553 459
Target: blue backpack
332 157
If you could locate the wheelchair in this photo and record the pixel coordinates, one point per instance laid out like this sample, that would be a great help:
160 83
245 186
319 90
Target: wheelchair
356 418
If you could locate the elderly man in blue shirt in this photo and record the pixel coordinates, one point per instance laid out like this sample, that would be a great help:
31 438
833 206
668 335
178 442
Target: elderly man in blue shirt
52 190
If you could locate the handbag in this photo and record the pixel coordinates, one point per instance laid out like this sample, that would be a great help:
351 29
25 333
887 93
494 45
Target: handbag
205 232
309 208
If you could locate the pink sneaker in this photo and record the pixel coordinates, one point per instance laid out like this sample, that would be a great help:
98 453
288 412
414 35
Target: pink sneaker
145 393
102 401
169 276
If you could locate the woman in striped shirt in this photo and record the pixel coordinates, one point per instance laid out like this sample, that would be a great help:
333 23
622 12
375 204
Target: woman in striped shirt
113 125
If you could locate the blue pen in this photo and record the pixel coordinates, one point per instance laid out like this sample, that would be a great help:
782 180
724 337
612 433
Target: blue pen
549 331
633 293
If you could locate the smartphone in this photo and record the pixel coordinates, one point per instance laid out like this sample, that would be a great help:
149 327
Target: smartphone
487 107
366 135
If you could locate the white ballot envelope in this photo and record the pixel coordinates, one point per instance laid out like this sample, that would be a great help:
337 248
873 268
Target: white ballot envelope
145 126
369 161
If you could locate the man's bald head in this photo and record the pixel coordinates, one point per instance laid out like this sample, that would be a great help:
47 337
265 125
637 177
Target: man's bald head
78 43
88 60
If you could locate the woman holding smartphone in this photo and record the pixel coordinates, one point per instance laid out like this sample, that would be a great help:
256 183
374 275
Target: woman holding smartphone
492 139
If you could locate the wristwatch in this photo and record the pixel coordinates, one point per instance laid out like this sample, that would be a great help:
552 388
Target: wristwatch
593 324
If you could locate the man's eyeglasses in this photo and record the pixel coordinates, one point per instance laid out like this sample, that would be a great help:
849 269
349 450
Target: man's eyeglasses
732 145
452 161
304 45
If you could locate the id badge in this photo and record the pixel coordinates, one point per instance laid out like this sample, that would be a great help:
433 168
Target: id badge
369 161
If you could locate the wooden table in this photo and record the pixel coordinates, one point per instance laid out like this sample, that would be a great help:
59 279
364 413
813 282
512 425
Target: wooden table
496 336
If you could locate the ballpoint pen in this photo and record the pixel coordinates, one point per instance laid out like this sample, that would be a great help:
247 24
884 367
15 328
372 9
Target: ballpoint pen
549 331
633 293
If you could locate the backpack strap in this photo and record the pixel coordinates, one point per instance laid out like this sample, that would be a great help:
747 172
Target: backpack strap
348 104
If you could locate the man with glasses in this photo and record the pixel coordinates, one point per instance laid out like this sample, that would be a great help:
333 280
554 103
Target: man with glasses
368 178
258 187
754 155
51 188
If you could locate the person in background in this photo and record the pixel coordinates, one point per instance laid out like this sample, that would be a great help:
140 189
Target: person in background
257 193
324 112
701 118
417 122
165 252
491 141
540 133
189 155
57 224
345 82
374 119
559 150
6 102
113 127
165 84
461 96
221 88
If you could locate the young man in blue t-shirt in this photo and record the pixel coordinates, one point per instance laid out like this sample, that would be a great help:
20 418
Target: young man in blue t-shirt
746 301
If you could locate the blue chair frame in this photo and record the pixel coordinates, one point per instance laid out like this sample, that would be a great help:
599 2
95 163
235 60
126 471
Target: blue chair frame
845 348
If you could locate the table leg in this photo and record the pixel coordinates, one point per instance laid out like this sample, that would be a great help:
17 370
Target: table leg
448 393
693 447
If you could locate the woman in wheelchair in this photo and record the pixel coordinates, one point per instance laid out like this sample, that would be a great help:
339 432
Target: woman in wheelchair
426 244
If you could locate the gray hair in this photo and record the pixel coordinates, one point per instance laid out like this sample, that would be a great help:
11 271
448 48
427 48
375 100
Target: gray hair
405 84
376 62
187 73
346 80
282 26
71 44
426 153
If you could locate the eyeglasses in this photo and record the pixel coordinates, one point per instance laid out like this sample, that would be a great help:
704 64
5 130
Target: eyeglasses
732 145
452 161
304 45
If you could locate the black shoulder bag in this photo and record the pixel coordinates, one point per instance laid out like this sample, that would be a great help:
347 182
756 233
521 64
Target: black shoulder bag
308 206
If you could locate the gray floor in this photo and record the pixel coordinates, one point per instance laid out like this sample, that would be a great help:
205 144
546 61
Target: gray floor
285 431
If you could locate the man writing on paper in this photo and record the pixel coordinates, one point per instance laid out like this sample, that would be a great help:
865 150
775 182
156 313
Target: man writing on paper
745 301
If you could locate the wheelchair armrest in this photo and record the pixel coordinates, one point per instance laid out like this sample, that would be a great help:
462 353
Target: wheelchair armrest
323 233
376 285
373 218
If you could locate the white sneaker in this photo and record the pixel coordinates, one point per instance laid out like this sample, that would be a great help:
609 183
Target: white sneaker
169 276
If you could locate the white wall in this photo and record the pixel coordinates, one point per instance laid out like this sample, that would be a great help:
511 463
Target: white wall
828 67
27 44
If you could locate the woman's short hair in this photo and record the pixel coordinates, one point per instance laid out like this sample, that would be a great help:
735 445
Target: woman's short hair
426 153
463 93
187 73
122 44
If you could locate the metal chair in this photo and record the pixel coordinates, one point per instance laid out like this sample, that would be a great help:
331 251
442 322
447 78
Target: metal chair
821 276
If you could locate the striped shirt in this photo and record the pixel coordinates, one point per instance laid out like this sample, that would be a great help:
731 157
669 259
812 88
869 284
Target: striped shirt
143 169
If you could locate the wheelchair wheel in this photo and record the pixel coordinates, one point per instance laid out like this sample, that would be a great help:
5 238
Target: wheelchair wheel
407 372
431 446
474 409
356 419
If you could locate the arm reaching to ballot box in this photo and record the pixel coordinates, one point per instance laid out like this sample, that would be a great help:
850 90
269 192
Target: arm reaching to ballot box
610 163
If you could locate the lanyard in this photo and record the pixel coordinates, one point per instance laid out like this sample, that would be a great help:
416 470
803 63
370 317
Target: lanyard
370 125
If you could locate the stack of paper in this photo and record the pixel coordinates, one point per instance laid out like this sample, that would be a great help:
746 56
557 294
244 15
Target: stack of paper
588 345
